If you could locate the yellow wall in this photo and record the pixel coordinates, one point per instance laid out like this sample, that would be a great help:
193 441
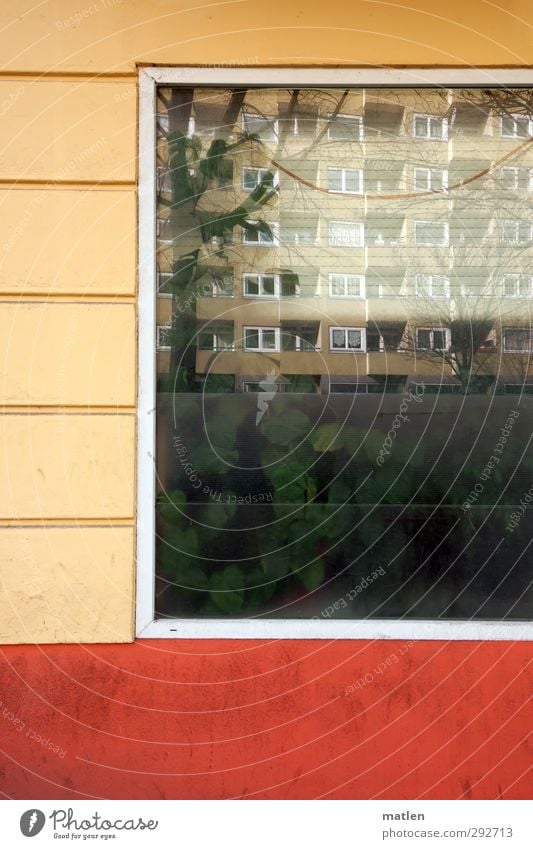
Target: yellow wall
67 257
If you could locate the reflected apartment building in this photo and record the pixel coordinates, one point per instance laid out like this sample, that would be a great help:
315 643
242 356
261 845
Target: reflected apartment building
343 241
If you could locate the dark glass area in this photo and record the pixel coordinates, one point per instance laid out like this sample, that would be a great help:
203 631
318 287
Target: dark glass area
296 516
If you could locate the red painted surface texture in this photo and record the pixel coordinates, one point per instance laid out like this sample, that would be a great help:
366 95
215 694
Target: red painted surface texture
223 719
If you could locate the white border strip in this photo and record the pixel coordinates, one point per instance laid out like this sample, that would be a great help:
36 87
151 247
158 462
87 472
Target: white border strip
336 629
283 629
345 77
147 356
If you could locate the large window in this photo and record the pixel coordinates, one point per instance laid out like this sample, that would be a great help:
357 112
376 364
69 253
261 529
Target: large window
432 127
346 285
334 355
432 339
347 339
431 233
346 234
261 338
345 180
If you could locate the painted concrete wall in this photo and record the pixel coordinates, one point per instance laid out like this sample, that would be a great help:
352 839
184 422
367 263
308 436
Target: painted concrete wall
255 720
207 719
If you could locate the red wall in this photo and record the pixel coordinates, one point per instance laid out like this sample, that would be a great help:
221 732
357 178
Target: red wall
222 719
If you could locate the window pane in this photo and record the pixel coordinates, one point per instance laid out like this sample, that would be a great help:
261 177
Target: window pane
439 287
354 339
251 338
353 287
250 178
339 338
439 340
422 179
508 126
421 126
282 361
252 285
435 128
352 181
335 180
517 340
269 286
337 285
424 338
522 127
344 128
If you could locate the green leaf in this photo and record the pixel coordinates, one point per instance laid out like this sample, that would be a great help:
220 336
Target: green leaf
217 514
227 589
312 575
285 429
170 505
327 437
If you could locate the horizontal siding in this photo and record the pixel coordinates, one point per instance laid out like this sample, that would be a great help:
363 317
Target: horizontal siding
77 587
68 131
112 36
82 242
67 467
68 354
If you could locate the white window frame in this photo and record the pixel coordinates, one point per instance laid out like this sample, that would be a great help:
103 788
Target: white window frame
346 279
515 172
217 338
427 136
262 242
429 172
262 329
359 227
259 171
274 125
516 276
515 118
260 275
356 120
321 628
439 244
516 225
361 330
432 330
431 280
343 172
522 351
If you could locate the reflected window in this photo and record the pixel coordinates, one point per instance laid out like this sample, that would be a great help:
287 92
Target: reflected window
434 339
345 181
253 177
345 127
516 340
261 338
346 234
516 126
347 338
431 233
346 286
431 127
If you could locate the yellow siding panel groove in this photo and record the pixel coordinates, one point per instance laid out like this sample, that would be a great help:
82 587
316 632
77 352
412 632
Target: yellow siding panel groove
68 131
81 242
77 585
64 353
67 467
